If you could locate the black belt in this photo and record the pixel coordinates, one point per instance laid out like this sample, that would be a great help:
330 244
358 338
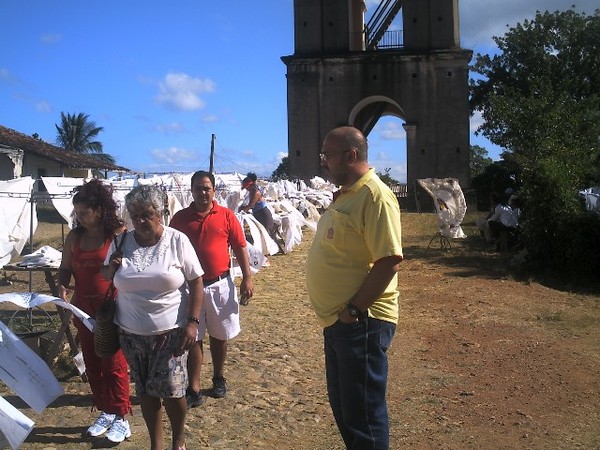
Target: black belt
214 280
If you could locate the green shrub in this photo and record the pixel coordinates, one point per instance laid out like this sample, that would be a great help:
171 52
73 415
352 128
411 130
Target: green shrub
560 235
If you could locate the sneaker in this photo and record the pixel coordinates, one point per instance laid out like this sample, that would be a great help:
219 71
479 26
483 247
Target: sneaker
193 398
101 425
119 430
219 387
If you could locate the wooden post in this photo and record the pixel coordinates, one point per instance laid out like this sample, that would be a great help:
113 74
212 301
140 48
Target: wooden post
212 154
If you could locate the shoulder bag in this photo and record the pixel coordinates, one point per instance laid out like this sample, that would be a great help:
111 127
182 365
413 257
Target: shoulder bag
106 331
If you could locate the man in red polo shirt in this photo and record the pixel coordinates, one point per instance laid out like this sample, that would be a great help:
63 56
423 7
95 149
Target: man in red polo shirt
213 229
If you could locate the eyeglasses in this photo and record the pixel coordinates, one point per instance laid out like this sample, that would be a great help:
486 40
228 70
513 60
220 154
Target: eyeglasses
325 156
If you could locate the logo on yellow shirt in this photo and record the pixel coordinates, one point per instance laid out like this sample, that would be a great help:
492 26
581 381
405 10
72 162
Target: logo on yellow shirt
330 233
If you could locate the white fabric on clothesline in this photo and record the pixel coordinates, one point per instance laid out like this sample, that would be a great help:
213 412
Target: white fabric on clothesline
294 205
61 192
16 221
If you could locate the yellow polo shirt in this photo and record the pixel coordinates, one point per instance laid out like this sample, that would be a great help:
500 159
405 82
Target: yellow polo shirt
360 227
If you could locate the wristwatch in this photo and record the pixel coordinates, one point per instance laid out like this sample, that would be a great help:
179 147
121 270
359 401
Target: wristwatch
354 311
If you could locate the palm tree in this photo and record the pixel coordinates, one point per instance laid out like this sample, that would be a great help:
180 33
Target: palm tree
78 134
105 157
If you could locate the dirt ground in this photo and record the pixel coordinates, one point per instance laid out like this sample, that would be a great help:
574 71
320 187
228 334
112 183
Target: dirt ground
479 361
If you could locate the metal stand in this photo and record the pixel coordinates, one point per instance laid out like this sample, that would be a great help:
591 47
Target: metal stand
443 242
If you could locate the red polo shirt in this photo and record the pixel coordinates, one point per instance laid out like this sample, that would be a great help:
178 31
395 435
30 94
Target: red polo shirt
211 236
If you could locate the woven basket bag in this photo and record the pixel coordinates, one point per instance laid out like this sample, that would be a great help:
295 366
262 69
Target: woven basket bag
106 331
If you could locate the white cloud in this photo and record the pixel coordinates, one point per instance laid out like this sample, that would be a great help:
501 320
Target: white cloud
210 118
381 156
50 38
392 131
397 168
169 128
262 169
182 92
382 160
398 171
43 106
480 20
9 77
172 155
475 121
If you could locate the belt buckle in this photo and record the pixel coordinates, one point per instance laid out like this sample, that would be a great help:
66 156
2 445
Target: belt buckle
218 278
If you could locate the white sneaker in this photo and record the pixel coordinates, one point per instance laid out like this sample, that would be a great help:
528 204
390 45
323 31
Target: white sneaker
101 425
119 430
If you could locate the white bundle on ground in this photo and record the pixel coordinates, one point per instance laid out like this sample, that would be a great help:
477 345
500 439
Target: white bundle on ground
260 237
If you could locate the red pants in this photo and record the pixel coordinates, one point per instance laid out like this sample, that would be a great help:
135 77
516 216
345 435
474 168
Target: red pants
108 377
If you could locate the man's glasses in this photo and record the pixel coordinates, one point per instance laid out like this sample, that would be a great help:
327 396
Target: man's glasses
326 156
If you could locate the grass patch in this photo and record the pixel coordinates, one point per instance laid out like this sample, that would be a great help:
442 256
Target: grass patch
550 317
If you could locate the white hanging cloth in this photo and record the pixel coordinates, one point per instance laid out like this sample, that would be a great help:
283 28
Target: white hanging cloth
16 221
450 204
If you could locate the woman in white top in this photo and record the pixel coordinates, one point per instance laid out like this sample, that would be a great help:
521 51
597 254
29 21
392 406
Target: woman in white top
159 282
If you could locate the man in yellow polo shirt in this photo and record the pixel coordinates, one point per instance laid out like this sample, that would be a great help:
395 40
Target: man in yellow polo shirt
352 283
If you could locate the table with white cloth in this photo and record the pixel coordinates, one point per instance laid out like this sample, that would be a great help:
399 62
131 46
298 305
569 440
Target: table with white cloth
50 274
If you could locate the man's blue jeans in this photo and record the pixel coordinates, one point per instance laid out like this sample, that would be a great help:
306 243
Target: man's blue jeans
357 366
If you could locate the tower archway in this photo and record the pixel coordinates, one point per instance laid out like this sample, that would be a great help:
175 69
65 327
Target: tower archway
382 120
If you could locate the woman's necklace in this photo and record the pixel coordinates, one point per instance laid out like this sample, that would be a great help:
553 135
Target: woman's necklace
145 255
151 241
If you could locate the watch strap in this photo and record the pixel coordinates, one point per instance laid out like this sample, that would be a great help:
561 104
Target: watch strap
355 312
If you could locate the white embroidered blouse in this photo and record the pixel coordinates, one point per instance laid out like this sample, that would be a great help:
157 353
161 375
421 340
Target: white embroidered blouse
152 290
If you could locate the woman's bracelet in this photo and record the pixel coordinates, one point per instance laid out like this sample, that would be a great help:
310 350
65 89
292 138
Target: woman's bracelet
193 319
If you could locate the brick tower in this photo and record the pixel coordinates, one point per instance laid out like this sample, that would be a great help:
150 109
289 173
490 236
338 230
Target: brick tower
345 71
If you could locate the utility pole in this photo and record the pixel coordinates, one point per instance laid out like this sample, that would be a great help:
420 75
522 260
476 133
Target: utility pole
212 154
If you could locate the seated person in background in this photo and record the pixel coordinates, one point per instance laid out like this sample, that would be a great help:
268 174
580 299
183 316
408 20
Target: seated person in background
482 222
515 203
503 222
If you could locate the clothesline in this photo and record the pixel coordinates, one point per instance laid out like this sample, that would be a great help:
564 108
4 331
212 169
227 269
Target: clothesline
293 204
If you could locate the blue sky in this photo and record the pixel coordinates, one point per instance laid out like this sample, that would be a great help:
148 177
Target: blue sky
162 77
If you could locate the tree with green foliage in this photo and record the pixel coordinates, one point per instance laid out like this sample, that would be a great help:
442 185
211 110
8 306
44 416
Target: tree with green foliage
495 177
282 171
104 157
539 97
479 160
78 134
387 178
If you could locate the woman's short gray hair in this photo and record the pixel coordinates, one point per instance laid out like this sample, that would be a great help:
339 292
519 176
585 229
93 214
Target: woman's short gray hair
144 196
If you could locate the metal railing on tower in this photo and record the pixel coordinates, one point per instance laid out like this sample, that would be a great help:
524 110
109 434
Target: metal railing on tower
377 27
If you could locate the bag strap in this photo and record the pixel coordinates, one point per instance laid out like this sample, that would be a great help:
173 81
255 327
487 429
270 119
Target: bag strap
118 246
